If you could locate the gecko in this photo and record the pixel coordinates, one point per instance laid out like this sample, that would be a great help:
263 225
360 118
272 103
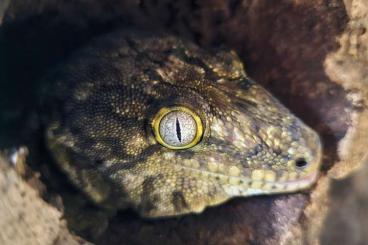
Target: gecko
153 122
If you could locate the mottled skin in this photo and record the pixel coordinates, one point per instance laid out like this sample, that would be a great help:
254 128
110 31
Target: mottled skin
99 129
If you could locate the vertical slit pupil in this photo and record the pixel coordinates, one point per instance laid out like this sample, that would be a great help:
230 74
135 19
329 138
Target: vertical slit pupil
178 130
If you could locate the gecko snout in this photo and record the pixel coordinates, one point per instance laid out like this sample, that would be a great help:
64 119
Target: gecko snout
311 160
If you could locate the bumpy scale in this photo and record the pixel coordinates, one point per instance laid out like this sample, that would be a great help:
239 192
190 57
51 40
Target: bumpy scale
101 127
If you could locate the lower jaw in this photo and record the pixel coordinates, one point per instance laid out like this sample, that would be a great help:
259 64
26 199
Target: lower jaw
300 184
267 188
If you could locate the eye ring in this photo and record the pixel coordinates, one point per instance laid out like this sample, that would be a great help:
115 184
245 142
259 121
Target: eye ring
164 112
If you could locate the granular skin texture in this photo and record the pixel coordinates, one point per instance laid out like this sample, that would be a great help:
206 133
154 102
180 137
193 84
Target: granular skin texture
99 115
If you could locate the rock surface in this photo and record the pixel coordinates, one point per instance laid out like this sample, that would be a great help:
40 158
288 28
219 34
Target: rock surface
25 218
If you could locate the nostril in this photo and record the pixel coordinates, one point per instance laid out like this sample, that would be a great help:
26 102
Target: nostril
301 163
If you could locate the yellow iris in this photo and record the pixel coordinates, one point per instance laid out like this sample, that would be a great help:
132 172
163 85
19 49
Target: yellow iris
177 127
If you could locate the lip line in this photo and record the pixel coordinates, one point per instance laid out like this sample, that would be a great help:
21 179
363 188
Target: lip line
310 178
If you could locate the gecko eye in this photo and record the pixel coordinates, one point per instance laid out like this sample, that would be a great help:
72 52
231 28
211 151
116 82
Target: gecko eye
177 127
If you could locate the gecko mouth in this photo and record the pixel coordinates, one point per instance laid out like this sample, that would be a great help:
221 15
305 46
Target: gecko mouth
243 186
262 187
300 183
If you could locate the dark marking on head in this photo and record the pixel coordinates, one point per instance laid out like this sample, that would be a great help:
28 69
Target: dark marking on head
116 167
148 197
147 186
244 104
147 206
277 151
187 154
179 201
246 83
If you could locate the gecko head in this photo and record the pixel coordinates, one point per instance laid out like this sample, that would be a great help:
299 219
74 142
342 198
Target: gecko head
271 150
169 129
239 144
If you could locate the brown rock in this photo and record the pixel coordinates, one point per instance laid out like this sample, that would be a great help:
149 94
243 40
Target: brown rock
25 217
